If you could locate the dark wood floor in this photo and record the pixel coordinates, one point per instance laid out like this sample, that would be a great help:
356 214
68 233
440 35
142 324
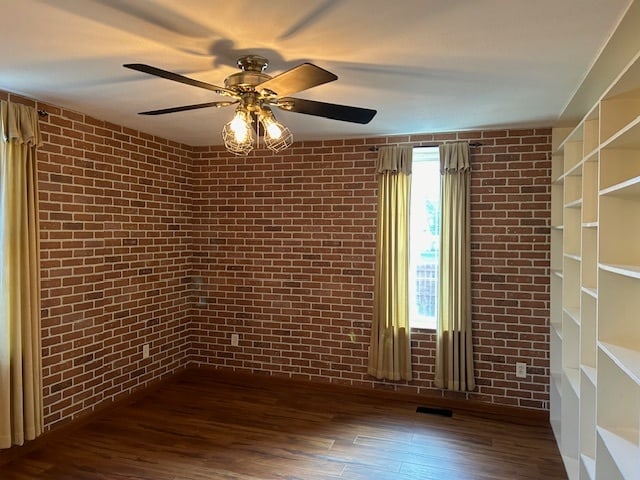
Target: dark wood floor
199 427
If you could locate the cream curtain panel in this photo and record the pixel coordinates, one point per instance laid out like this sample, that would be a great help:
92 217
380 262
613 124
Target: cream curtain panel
454 346
20 357
390 349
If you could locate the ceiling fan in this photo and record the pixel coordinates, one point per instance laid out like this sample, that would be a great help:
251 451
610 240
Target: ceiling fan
254 92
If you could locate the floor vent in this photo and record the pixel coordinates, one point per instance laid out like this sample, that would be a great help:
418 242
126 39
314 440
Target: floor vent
443 412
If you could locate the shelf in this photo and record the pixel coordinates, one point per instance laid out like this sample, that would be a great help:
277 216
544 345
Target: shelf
574 136
590 192
618 305
619 117
628 189
555 426
572 467
555 358
573 376
619 228
570 350
590 373
558 137
557 272
572 150
589 274
575 171
574 204
571 135
571 284
588 334
618 417
632 271
557 202
591 156
591 133
590 225
572 191
587 415
627 80
572 220
557 329
591 291
623 451
556 249
627 359
557 227
617 167
572 256
573 313
627 137
589 465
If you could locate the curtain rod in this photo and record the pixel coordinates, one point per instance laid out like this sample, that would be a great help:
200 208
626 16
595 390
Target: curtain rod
375 147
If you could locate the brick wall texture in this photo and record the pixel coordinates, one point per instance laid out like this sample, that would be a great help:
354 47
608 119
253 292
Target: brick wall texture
148 241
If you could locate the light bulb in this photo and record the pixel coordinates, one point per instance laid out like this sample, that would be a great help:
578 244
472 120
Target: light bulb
277 137
273 128
239 126
238 133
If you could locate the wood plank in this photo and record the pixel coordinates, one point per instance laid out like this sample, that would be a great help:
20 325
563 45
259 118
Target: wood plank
200 426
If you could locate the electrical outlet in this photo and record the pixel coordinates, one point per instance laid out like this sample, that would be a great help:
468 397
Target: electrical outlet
145 351
521 370
235 338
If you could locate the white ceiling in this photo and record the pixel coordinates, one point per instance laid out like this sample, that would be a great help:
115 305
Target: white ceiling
425 65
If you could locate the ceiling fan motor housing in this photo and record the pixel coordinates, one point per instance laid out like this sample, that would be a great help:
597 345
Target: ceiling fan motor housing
245 80
252 67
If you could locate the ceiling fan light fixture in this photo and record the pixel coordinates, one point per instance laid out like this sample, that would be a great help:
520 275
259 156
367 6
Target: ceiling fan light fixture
277 137
238 133
255 90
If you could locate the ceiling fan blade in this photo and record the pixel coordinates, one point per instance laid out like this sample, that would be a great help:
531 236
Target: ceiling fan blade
162 111
327 110
158 72
296 79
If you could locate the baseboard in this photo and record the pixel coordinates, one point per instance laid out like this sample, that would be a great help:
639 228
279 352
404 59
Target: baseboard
505 413
66 429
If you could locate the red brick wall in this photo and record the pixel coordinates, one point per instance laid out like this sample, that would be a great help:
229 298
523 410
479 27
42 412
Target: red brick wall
284 257
147 241
115 220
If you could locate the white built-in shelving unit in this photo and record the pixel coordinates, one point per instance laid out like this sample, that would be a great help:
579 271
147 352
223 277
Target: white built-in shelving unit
595 287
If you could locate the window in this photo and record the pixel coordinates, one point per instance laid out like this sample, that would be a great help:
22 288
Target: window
424 239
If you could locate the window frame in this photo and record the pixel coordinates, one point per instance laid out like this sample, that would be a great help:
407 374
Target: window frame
422 155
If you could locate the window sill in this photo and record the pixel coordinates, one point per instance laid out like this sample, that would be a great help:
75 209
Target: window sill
424 329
